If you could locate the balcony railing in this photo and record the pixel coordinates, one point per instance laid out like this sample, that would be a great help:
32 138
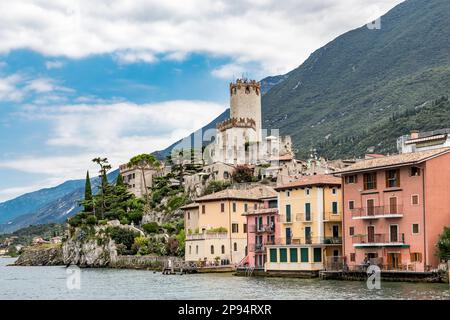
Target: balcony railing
286 219
332 216
316 240
304 217
379 239
377 212
265 228
204 236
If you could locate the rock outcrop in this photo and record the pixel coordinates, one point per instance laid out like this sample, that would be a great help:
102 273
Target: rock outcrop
41 256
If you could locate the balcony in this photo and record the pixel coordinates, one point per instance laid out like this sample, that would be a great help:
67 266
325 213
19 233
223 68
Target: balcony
304 217
379 240
332 217
378 212
207 236
284 219
316 240
262 228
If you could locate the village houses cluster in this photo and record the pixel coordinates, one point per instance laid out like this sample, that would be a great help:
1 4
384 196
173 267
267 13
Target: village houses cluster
306 216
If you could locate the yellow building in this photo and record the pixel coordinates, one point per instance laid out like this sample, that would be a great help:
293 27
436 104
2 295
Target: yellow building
311 225
216 230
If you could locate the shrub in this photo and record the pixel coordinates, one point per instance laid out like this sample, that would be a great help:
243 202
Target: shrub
151 227
75 221
216 186
135 216
122 236
175 202
443 245
91 220
102 222
243 174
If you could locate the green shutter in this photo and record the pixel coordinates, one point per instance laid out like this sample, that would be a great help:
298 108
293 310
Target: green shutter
304 254
335 208
273 255
317 254
308 208
283 255
294 254
288 213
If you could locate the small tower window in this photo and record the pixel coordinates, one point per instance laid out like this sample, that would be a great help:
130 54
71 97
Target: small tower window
247 89
257 91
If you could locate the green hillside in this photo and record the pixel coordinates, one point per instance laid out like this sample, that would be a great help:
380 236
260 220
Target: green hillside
348 90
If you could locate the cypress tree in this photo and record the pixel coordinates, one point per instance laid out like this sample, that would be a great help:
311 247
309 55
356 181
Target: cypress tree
88 203
119 181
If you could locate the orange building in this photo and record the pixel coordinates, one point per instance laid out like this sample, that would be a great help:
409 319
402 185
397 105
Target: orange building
395 207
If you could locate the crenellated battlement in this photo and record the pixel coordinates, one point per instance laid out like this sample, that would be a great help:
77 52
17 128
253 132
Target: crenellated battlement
236 123
246 86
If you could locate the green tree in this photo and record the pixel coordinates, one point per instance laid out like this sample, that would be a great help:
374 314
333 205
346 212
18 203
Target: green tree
104 168
88 199
119 181
443 245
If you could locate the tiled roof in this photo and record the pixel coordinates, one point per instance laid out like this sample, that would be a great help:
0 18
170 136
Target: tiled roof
319 179
255 193
395 160
192 205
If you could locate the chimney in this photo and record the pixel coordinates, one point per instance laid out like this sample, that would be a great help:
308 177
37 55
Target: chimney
414 134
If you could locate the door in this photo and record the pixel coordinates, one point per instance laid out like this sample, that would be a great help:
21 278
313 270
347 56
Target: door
370 234
393 233
335 231
370 207
308 239
288 235
394 260
393 205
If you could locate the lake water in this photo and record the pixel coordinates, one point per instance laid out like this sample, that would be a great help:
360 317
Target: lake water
51 283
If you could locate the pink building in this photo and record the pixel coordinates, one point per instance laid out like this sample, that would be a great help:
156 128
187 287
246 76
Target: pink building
263 229
395 207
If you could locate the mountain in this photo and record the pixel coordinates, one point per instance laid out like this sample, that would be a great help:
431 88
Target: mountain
46 205
353 85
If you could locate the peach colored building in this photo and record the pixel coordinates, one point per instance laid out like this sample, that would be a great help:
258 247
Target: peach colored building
395 207
263 229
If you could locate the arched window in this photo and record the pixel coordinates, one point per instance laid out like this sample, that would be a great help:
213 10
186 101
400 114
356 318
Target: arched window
235 246
223 249
212 249
226 175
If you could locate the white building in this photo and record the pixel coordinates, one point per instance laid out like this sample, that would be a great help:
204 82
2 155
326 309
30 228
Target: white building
422 141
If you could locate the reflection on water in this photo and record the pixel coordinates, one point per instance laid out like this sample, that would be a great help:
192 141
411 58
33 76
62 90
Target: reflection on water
51 283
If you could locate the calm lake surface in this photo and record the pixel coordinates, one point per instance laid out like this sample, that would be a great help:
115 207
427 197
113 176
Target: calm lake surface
51 283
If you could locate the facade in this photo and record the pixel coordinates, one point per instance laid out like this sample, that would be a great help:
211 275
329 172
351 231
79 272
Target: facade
263 229
311 228
423 141
134 178
196 184
395 208
216 229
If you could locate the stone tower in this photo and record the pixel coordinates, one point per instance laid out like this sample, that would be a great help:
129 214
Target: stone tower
245 101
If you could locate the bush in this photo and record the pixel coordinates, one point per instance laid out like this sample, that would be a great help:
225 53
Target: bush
91 220
175 202
216 186
135 216
102 222
122 236
75 221
443 245
243 174
151 227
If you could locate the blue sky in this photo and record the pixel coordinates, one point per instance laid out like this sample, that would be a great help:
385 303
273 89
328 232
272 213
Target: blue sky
116 78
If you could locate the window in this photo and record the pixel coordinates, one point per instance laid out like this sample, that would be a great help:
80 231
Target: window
235 246
293 252
245 228
414 172
392 178
352 257
350 179
307 191
416 257
255 206
415 199
351 231
190 249
370 181
415 228
226 175
351 204
222 207
189 215
304 255
307 211
234 228
334 191
317 254
245 207
335 207
234 206
212 249
288 193
203 209
223 249
273 255
283 255
196 249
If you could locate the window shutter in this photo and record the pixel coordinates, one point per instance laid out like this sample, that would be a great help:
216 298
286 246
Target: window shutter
398 178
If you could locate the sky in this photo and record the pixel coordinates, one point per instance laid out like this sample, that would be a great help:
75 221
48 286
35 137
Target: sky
115 78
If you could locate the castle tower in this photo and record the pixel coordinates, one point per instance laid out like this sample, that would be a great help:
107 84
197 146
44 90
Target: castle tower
245 101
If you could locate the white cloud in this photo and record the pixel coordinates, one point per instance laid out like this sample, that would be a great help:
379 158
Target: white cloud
54 64
117 131
278 36
9 90
229 71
